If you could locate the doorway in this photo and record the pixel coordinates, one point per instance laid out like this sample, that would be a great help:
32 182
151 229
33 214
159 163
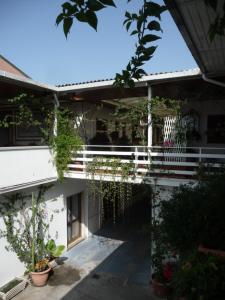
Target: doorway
73 218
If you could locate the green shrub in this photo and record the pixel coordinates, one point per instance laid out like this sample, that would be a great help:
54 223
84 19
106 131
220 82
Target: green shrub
195 215
199 277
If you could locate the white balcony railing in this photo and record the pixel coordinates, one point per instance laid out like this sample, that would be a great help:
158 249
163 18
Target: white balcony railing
168 163
21 167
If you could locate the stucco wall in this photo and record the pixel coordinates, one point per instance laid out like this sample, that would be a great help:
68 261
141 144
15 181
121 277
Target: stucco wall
56 206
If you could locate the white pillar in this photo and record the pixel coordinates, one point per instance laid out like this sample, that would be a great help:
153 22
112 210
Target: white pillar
56 105
149 116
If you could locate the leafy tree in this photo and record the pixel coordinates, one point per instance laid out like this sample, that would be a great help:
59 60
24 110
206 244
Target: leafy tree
145 24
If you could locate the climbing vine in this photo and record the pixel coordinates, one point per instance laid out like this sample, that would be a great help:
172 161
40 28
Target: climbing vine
26 226
66 142
29 111
134 116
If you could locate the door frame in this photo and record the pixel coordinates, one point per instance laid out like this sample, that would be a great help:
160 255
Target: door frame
79 196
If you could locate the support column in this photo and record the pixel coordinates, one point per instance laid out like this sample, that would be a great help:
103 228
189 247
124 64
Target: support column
149 116
56 104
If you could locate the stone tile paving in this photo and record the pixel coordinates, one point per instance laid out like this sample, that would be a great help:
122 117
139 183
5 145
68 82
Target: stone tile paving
109 265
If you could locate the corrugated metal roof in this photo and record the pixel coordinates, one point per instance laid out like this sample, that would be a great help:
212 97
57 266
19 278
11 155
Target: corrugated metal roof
111 79
193 18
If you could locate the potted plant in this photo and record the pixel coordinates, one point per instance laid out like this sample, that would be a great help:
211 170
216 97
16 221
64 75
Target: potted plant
161 280
53 252
41 272
28 239
161 264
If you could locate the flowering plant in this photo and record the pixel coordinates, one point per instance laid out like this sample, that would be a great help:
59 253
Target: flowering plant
168 143
168 269
41 265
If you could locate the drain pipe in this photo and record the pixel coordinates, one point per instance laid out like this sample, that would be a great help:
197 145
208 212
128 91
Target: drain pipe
215 82
56 106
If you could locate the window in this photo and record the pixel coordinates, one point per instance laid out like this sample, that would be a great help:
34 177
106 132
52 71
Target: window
216 129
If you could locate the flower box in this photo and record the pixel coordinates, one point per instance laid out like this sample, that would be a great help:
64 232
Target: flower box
12 288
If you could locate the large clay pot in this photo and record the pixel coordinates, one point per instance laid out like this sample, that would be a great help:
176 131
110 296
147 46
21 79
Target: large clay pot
40 278
159 289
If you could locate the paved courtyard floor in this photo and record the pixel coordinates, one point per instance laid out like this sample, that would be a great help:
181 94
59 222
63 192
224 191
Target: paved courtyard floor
112 265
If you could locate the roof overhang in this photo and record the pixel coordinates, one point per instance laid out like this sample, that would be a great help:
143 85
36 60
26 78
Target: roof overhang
24 82
144 81
10 81
193 19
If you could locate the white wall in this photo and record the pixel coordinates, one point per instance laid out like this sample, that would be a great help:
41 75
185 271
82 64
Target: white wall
20 166
56 206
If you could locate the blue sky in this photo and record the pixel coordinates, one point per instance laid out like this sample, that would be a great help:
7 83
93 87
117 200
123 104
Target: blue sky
30 39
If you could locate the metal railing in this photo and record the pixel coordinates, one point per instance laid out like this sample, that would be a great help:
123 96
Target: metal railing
167 162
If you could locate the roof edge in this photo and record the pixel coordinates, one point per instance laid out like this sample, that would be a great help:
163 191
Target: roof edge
177 17
158 77
24 81
14 66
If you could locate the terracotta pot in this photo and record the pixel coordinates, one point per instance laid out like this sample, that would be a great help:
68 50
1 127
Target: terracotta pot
160 290
218 253
40 278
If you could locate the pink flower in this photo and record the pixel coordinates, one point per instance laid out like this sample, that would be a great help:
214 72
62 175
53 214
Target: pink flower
168 143
168 272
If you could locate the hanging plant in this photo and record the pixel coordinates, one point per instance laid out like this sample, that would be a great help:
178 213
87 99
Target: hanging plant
114 195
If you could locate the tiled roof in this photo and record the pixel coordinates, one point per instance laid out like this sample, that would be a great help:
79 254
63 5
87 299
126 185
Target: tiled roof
110 79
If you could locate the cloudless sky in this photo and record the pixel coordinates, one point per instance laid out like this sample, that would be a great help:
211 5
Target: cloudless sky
30 40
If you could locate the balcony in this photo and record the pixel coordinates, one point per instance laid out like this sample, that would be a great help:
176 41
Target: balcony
22 167
161 165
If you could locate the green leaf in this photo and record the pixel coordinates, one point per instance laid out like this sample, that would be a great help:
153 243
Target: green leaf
95 5
67 23
59 18
108 2
79 2
58 251
154 25
81 17
50 246
144 57
155 9
150 38
66 5
149 50
127 15
134 32
128 25
92 19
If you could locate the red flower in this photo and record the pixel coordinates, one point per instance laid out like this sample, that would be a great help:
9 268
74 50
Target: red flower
168 272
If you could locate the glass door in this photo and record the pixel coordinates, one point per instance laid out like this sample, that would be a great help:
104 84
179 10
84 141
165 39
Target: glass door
73 218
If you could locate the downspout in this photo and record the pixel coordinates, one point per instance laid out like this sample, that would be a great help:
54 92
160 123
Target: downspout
205 78
149 116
